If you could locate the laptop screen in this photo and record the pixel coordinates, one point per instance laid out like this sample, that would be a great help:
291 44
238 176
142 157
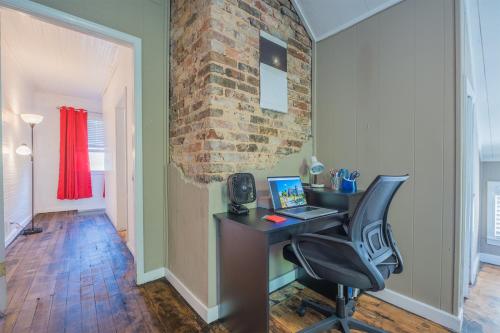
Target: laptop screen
286 192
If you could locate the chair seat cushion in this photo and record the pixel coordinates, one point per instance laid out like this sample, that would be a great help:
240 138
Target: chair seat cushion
330 271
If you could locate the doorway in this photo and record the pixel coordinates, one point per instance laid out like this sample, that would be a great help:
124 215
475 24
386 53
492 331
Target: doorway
61 19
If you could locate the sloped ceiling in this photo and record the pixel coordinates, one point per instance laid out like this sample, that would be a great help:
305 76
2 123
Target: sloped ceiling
324 18
57 59
484 31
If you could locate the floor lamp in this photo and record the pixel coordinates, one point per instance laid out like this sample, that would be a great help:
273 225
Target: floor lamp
24 150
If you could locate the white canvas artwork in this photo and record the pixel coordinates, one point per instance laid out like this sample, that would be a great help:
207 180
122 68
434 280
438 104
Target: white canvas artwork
273 73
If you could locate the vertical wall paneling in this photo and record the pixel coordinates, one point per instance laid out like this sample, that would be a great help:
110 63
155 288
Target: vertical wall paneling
385 104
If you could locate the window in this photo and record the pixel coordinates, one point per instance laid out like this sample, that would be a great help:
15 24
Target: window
493 229
95 129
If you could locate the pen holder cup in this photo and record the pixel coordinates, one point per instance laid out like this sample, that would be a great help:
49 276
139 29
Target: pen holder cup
348 186
336 181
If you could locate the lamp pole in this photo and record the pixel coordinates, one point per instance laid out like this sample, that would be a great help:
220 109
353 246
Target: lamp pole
33 229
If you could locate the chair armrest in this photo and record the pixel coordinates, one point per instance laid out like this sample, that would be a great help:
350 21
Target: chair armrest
358 258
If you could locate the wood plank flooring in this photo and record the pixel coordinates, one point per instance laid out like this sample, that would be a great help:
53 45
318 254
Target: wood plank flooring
482 308
78 276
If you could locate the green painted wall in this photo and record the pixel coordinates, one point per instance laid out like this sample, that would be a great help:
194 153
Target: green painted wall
192 230
146 19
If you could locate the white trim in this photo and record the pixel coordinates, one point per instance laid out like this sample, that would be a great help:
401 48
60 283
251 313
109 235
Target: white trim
489 259
102 31
14 233
452 322
357 19
154 274
282 280
304 20
475 268
212 314
207 314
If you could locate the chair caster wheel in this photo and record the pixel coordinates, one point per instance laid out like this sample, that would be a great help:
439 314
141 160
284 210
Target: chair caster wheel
301 311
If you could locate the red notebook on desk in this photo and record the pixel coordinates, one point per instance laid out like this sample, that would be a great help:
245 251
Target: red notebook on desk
275 218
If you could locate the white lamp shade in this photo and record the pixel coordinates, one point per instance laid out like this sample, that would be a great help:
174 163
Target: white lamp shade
316 166
31 118
23 150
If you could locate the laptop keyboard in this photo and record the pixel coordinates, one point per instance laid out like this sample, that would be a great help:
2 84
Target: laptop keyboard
299 210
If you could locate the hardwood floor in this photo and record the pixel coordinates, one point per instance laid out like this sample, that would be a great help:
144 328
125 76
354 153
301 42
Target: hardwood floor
482 308
77 276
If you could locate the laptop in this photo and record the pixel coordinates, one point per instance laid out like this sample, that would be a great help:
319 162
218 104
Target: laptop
288 197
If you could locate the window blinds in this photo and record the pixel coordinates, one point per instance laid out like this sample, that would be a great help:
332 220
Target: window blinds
95 129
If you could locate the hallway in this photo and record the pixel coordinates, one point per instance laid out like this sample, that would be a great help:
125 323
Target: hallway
77 275
482 309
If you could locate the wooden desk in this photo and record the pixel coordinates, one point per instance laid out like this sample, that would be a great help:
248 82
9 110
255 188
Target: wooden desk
244 243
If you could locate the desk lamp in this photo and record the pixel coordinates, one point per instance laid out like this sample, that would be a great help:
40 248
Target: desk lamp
316 168
24 150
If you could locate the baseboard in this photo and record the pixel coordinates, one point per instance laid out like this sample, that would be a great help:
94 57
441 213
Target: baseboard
452 322
489 259
207 314
282 280
151 275
17 230
212 314
68 209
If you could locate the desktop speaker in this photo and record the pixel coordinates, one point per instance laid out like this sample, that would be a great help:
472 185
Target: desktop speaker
241 190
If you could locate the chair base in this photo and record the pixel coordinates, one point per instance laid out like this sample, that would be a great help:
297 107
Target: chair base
339 318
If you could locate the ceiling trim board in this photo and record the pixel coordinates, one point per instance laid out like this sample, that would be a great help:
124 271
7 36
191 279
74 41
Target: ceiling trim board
356 20
302 16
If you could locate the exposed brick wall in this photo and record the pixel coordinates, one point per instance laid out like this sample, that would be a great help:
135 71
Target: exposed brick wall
216 124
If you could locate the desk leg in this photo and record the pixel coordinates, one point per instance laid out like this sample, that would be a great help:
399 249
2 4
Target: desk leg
244 278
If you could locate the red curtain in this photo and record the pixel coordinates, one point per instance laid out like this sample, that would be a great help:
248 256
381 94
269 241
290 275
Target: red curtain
74 166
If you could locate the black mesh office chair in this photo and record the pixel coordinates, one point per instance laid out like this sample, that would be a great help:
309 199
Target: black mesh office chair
363 258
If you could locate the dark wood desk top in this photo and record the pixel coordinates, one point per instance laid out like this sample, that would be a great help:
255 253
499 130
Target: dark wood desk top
255 220
334 192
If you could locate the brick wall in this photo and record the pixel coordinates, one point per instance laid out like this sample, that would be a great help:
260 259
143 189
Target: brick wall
216 124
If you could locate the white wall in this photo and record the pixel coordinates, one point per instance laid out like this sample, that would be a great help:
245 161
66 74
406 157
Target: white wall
116 204
47 156
17 98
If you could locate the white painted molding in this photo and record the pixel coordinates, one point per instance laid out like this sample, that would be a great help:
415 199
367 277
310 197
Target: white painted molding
152 275
303 18
282 280
358 19
207 314
448 320
489 258
475 268
14 233
212 314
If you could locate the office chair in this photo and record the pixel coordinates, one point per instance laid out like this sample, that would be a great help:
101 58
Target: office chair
362 259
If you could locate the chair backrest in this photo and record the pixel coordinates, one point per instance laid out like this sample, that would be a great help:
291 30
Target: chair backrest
368 227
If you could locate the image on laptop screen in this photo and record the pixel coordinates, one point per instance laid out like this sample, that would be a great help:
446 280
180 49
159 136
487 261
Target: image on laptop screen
287 192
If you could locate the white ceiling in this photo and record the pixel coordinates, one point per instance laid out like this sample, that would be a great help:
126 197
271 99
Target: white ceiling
483 22
324 18
57 59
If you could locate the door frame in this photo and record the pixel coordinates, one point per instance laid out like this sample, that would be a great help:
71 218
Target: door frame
468 186
121 111
101 31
